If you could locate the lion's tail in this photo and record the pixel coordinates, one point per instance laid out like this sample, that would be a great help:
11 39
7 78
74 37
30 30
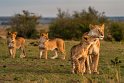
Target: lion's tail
64 49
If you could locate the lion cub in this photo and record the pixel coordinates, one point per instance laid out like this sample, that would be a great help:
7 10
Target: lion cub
79 54
15 43
46 44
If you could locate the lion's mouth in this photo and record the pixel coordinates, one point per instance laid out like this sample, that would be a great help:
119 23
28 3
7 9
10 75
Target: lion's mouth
11 45
41 46
101 37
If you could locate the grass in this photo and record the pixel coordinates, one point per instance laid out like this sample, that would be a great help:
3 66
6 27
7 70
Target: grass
35 70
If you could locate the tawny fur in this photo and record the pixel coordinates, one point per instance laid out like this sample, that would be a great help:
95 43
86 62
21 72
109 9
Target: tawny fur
15 43
55 45
79 54
97 31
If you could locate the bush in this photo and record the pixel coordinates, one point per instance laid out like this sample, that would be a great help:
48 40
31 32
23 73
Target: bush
25 24
116 31
73 26
67 29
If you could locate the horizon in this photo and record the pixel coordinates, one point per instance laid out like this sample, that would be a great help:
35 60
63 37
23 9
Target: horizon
48 8
56 16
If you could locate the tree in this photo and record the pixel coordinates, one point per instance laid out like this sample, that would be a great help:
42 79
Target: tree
25 24
90 16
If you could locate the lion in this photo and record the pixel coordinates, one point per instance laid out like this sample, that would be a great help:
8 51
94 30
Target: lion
46 44
79 54
14 43
95 31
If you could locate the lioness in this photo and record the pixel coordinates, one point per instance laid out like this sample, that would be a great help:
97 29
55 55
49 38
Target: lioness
55 45
79 54
15 43
97 31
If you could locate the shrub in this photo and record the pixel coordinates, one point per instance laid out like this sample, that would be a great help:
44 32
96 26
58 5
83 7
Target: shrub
116 31
25 24
67 29
73 26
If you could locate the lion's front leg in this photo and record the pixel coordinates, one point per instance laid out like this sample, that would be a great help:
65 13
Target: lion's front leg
10 52
82 65
41 53
45 53
13 52
87 65
95 63
77 65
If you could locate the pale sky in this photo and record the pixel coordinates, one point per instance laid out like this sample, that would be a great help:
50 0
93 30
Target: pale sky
48 8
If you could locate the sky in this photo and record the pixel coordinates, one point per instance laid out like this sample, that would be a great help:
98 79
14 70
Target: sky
48 8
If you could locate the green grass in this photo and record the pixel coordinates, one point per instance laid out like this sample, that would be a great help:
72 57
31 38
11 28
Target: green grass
35 70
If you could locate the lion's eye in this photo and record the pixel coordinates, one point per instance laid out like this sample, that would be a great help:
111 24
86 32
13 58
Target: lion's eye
12 41
98 31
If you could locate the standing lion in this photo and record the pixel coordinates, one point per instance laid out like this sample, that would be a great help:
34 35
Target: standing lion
46 44
14 43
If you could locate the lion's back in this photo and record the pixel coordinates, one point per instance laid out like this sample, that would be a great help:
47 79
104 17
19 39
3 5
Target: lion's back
20 41
56 43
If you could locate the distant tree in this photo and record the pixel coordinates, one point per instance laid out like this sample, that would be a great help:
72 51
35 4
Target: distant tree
25 24
62 14
90 16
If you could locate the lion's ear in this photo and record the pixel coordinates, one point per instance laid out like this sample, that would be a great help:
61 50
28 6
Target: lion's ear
15 33
9 33
41 34
91 26
102 26
47 34
85 38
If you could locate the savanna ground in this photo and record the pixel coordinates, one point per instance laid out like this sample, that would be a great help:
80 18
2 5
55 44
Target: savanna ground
34 70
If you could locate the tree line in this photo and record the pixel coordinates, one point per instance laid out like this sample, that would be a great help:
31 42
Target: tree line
68 26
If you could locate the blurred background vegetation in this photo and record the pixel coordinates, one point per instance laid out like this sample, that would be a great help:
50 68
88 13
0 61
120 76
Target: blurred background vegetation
68 26
25 24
